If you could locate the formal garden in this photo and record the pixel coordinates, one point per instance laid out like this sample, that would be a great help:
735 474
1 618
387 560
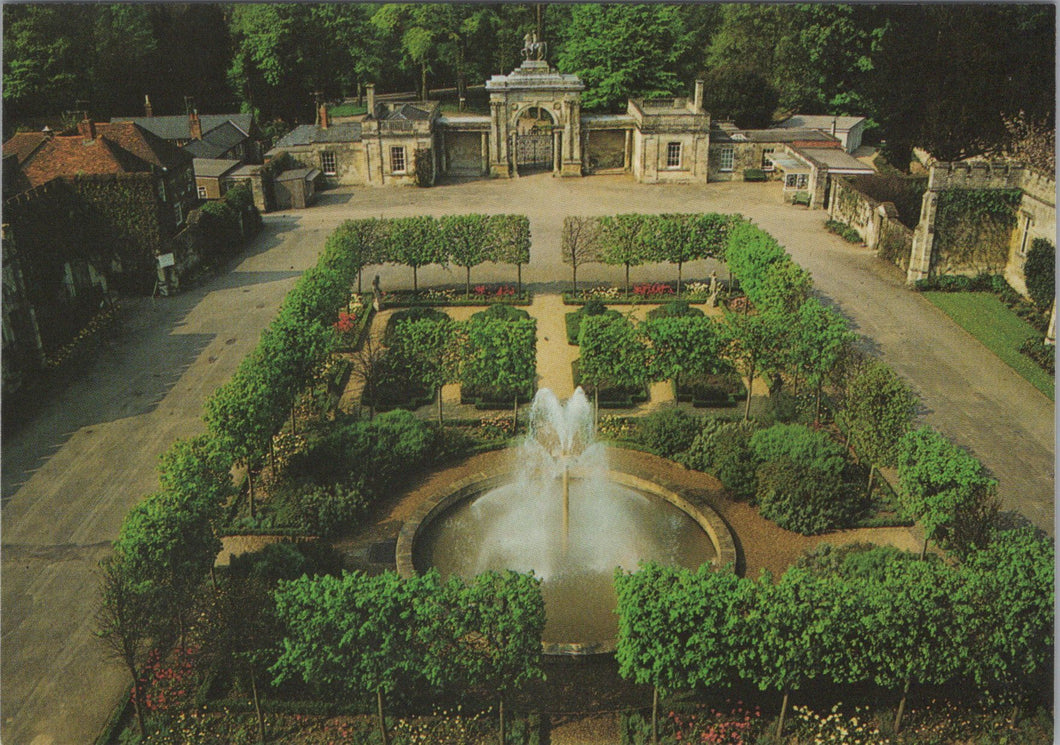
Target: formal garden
337 416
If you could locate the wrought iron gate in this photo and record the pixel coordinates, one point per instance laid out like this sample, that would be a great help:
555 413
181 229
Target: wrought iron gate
533 150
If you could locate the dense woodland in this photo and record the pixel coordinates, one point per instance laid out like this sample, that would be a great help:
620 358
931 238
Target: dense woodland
944 77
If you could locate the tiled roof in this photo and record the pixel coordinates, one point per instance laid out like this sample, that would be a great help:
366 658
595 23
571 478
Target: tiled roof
175 127
117 148
211 168
308 134
225 134
203 149
22 144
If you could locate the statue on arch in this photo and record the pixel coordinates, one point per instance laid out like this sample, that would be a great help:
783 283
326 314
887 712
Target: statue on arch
532 48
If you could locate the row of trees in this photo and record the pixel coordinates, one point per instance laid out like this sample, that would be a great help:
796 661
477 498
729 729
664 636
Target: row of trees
965 70
463 240
634 239
358 635
881 617
494 357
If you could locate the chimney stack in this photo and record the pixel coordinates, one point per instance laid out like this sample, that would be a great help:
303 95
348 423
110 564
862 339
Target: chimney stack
323 116
697 102
148 110
194 125
370 88
87 128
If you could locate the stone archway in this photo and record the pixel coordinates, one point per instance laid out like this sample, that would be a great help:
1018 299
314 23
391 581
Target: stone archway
535 150
536 88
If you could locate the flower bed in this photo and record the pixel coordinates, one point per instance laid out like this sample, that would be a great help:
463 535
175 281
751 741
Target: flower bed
644 292
353 324
442 297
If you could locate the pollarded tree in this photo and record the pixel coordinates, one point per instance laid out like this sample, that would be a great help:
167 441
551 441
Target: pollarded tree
611 354
784 287
500 619
467 242
622 242
818 339
915 628
749 251
501 356
509 237
354 633
415 242
124 620
197 469
787 627
755 344
1011 585
939 483
679 629
435 350
877 411
685 345
580 244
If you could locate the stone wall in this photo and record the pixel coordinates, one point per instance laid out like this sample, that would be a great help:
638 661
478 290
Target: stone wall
876 222
463 154
605 149
652 156
744 155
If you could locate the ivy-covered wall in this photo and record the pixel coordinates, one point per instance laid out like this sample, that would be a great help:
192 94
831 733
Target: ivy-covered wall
973 229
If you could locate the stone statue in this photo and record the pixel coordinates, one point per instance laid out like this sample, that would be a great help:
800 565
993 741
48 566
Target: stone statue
377 295
532 48
713 300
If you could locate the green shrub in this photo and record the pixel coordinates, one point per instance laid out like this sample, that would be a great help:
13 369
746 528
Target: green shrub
1040 272
674 309
502 311
806 447
800 498
573 320
410 314
1042 353
723 449
327 510
754 174
844 231
668 431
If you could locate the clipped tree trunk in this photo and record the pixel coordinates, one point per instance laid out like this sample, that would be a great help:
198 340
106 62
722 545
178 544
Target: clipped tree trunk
467 283
783 711
500 714
872 473
137 706
901 707
627 280
679 264
655 715
923 550
519 281
294 425
440 422
250 489
574 277
257 705
272 456
379 710
750 386
415 280
359 272
515 415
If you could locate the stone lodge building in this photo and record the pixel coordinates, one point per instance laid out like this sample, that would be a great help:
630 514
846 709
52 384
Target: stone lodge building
536 125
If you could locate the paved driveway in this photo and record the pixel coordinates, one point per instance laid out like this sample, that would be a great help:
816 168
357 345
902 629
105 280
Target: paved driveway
71 474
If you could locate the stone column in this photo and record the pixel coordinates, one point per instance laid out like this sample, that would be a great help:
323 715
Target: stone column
514 157
923 241
557 153
485 153
627 155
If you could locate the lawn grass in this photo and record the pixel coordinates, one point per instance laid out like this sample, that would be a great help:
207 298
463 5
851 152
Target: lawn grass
986 318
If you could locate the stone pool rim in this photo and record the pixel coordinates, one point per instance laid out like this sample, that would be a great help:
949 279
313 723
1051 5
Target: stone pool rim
476 484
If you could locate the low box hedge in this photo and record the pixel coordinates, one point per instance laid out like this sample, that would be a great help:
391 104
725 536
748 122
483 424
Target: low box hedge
494 399
570 298
389 400
711 391
397 300
573 321
613 397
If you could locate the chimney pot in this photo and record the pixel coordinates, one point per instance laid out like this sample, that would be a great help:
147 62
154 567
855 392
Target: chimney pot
194 125
323 116
370 90
148 109
87 128
697 102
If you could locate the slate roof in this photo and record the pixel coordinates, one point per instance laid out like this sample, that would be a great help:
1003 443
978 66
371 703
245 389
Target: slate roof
838 161
201 149
309 134
117 148
771 135
175 127
212 168
298 174
410 113
822 121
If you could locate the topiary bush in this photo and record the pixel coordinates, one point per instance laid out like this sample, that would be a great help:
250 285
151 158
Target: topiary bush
674 309
800 498
503 311
573 320
1040 273
668 431
326 510
723 449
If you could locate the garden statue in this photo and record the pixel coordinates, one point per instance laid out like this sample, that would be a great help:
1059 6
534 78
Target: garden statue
532 48
713 299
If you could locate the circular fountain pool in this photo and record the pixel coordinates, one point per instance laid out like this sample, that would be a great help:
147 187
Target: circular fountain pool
561 512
